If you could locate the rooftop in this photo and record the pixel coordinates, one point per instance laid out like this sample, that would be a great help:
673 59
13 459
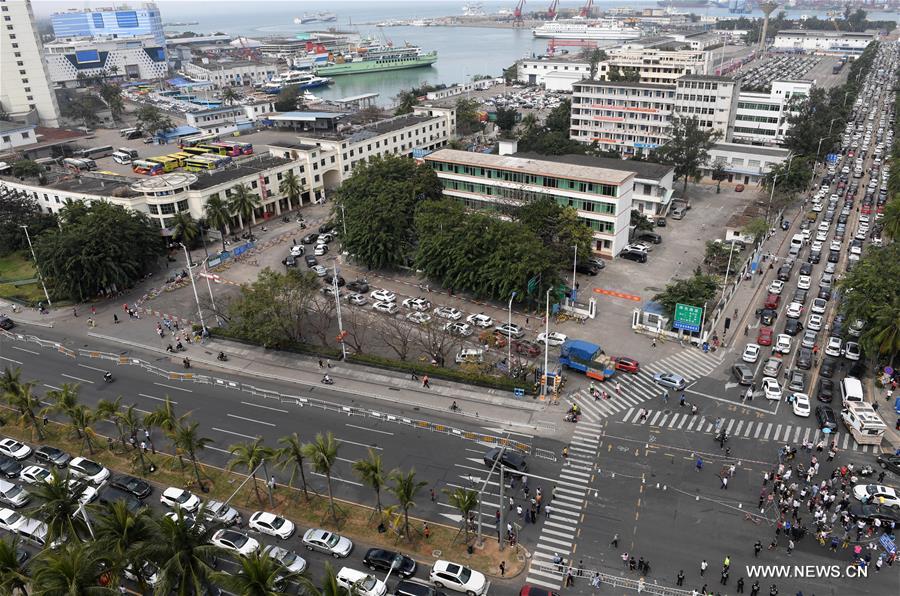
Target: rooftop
237 170
6 126
389 125
752 149
825 33
217 64
641 169
540 166
628 84
703 77
303 116
96 184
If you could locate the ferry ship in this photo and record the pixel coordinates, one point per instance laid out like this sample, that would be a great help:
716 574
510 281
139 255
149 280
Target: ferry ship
377 60
574 29
294 78
321 17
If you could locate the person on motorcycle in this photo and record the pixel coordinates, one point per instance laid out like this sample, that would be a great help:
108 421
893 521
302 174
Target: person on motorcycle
186 362
222 356
453 406
107 376
327 379
169 348
179 347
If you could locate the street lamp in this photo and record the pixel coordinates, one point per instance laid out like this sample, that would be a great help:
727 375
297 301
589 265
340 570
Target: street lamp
574 268
190 269
337 302
546 346
509 337
816 160
395 564
830 124
36 266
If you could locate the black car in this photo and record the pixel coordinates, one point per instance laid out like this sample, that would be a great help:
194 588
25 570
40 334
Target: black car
597 262
6 323
382 560
660 222
311 261
825 293
767 316
329 279
834 256
511 459
825 392
110 494
826 418
135 486
871 511
804 358
413 588
786 224
800 296
827 369
805 269
814 257
289 261
326 228
52 455
889 462
359 286
634 255
309 238
793 327
784 272
586 268
10 466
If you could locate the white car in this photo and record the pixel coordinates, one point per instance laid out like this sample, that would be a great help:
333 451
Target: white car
821 236
327 542
800 404
751 353
776 286
320 250
874 493
856 250
771 388
320 271
819 305
235 541
11 520
453 576
178 498
297 250
816 246
480 320
834 345
34 474
419 304
461 329
89 470
88 495
803 282
817 207
835 245
823 226
794 310
390 308
288 559
384 296
271 524
554 339
783 344
15 449
852 351
221 513
814 322
419 318
509 330
639 246
357 299
448 312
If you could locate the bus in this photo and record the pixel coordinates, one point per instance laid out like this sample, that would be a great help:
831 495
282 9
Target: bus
246 148
194 150
147 167
198 139
96 152
231 150
198 162
80 163
219 160
181 157
168 163
210 148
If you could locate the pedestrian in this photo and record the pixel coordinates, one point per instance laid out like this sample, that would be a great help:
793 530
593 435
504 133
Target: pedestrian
640 586
565 454
595 581
754 589
413 376
502 568
46 420
699 463
703 566
740 585
790 547
425 382
640 565
144 446
632 564
727 562
519 511
570 581
681 400
580 572
426 531
321 364
724 480
94 310
547 512
679 580
756 548
75 312
115 319
653 343
625 560
665 396
881 477
724 579
615 541
328 362
497 517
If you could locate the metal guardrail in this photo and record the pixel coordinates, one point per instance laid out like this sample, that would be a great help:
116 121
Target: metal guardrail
269 394
615 581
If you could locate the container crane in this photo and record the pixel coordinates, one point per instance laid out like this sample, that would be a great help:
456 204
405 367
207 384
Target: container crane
517 14
551 12
586 9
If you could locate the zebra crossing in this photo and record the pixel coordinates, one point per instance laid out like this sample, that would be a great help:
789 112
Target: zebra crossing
558 531
746 429
691 364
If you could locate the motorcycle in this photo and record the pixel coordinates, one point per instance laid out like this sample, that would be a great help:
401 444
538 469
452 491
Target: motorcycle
285 219
222 357
327 380
107 377
186 362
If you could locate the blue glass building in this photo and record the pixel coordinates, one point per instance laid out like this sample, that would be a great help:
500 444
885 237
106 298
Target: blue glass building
110 22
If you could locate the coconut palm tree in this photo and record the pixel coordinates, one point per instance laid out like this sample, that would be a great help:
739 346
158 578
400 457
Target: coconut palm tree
64 399
882 334
18 394
163 417
229 95
244 201
183 554
250 456
112 411
330 586
322 454
218 216
73 570
465 502
131 421
123 536
371 473
291 186
405 488
259 575
60 501
891 220
82 418
187 441
291 455
184 228
14 575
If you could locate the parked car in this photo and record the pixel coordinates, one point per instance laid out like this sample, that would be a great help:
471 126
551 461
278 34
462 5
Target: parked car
800 404
480 320
771 388
90 470
772 367
15 449
51 455
419 304
453 576
383 296
825 390
138 487
448 312
271 524
178 498
510 330
327 542
235 541
764 337
385 560
554 339
826 419
288 558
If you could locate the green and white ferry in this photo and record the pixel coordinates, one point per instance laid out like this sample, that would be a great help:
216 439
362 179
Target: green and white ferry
377 60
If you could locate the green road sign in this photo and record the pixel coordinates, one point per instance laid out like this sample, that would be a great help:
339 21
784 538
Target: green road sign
688 317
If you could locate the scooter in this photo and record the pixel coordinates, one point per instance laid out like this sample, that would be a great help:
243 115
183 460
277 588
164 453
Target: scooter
327 380
107 377
222 357
186 362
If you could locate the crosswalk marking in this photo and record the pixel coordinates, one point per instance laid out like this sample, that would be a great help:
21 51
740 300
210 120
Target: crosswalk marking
689 363
737 431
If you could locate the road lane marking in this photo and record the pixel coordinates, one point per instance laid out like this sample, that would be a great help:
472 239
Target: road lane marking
92 368
749 428
737 431
383 432
77 378
25 350
250 419
231 432
338 479
769 431
759 428
157 398
11 360
729 401
174 387
359 444
247 403
218 449
53 387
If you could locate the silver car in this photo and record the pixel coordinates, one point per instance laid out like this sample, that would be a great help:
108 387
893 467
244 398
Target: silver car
773 365
327 542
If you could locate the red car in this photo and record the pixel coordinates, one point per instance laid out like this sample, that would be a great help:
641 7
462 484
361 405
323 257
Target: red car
772 301
627 364
526 348
765 336
866 210
529 590
739 188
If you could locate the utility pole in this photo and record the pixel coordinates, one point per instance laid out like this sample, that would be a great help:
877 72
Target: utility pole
187 258
337 302
546 343
36 266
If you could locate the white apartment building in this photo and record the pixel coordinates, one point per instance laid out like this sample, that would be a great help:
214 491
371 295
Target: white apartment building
745 164
228 119
130 57
709 98
831 42
626 117
25 90
762 118
658 60
15 134
553 73
230 73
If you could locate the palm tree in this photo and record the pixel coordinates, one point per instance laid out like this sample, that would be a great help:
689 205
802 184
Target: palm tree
250 456
371 472
218 216
112 411
891 221
183 554
184 228
229 95
883 333
123 536
60 502
18 394
291 186
163 417
291 455
465 501
259 575
529 122
64 399
405 489
188 441
322 454
82 418
13 574
130 419
330 586
73 570
243 201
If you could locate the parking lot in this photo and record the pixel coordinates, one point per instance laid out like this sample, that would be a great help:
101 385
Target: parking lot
759 74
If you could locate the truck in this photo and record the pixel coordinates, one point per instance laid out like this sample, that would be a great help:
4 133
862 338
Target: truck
864 424
588 358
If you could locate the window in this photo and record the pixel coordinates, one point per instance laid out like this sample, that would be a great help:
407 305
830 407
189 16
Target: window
6 138
167 208
183 205
26 135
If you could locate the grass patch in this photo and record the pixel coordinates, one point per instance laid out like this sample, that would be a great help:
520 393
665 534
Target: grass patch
29 293
15 266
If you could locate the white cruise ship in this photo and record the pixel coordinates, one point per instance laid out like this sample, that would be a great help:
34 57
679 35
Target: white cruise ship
581 29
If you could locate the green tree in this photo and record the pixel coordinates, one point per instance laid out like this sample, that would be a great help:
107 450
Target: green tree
371 473
467 116
757 228
82 419
695 291
891 221
273 309
259 575
18 394
719 174
19 209
112 95
290 455
687 148
184 554
507 119
291 186
511 73
27 168
560 118
406 102
112 411
870 294
329 586
152 120
594 57
229 95
184 228
218 216
83 108
640 222
72 570
244 201
59 496
465 501
123 537
717 258
322 455
250 456
405 489
14 574
287 99
187 440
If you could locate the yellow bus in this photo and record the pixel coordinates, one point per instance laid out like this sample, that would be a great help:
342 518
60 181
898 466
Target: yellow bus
168 163
194 150
181 157
198 163
218 149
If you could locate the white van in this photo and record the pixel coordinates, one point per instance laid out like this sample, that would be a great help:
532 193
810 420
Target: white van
122 158
470 355
33 531
128 151
851 390
358 582
863 423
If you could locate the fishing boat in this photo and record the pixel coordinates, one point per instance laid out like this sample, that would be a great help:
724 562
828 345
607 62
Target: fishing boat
378 59
294 78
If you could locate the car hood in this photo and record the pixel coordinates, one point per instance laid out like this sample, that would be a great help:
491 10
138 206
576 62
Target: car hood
343 546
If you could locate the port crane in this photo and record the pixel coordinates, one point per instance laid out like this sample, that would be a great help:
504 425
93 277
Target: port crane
551 12
586 9
517 14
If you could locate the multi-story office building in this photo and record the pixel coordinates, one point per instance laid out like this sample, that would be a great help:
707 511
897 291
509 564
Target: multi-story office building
626 117
110 22
230 73
832 42
711 99
658 60
602 196
228 119
762 118
70 61
25 91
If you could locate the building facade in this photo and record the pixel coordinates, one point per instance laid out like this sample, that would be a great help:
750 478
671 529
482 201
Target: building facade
659 60
763 118
832 42
110 22
230 73
602 197
25 90
711 99
229 118
14 134
553 73
745 164
71 61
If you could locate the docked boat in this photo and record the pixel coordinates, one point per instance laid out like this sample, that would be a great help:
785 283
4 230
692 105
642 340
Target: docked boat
583 29
378 59
294 78
307 18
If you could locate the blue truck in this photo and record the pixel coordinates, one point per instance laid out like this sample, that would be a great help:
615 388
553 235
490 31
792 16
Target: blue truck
588 358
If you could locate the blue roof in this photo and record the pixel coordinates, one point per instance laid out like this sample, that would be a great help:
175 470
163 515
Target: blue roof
179 131
306 116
